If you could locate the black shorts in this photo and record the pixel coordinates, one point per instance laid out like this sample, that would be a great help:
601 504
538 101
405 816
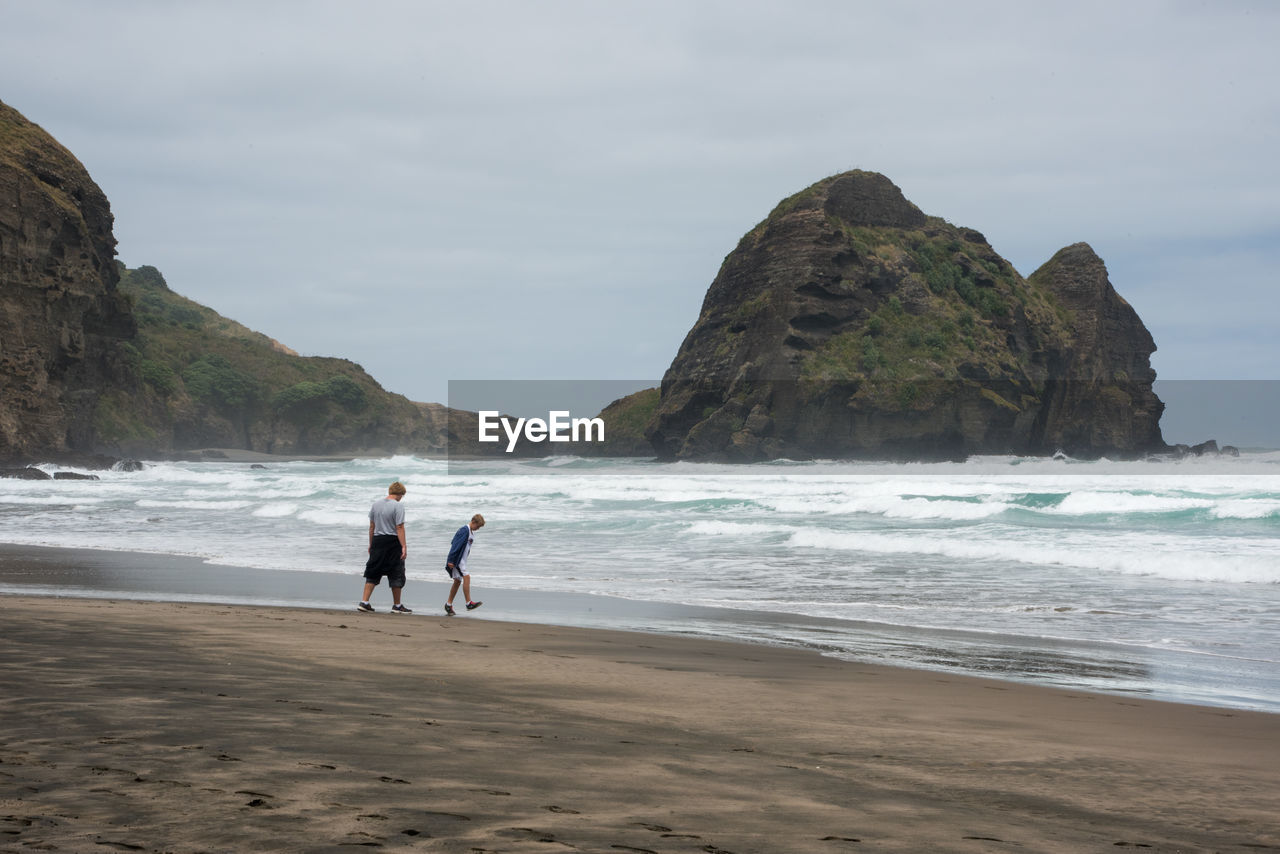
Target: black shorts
384 559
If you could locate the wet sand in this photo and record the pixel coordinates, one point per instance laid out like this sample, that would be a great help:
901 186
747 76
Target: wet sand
155 726
92 573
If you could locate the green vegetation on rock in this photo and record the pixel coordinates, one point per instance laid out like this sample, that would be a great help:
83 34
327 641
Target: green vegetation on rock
961 299
206 380
626 421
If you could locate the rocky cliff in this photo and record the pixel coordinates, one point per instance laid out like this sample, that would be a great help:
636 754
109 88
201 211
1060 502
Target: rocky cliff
849 324
97 360
61 318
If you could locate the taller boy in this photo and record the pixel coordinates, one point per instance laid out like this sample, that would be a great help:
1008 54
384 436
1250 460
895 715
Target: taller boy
387 548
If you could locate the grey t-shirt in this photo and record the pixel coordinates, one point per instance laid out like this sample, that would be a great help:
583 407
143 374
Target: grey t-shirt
386 514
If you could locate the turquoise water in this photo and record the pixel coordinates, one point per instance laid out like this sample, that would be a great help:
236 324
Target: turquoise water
1155 578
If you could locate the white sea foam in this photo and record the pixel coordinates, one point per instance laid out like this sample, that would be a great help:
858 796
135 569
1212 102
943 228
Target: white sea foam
192 505
1247 508
898 507
276 510
336 517
737 529
50 500
1091 502
1125 555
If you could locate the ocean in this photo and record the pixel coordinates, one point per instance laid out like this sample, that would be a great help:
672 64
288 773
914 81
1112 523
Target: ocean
1159 579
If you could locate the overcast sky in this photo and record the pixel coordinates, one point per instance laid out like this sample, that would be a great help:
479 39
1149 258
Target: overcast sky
544 190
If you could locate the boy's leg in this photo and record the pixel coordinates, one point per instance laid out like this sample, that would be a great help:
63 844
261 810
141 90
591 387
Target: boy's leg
368 590
466 588
453 590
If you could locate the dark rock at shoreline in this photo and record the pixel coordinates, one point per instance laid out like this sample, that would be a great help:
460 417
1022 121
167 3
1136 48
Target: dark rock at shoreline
848 324
24 473
1209 448
74 475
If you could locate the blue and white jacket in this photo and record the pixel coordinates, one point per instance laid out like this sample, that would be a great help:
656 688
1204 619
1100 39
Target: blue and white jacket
458 548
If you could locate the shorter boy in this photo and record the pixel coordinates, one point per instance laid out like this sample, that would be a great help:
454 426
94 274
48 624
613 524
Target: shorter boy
456 563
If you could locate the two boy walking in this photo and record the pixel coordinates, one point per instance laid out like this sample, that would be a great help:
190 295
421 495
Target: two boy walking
388 550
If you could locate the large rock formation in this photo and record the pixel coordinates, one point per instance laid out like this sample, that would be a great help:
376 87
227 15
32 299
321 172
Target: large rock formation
61 318
849 324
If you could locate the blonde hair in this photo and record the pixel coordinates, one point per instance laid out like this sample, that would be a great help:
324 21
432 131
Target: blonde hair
478 518
396 488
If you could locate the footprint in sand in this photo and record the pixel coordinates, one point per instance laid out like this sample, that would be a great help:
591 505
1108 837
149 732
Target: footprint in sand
179 783
259 801
369 841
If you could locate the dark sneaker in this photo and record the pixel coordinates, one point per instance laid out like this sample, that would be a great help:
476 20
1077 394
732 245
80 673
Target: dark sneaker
471 606
400 609
364 606
448 609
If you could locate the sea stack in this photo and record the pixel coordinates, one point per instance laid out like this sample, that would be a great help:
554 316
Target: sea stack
850 324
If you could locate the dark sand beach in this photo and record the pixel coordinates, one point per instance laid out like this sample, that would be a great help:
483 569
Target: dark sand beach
159 726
